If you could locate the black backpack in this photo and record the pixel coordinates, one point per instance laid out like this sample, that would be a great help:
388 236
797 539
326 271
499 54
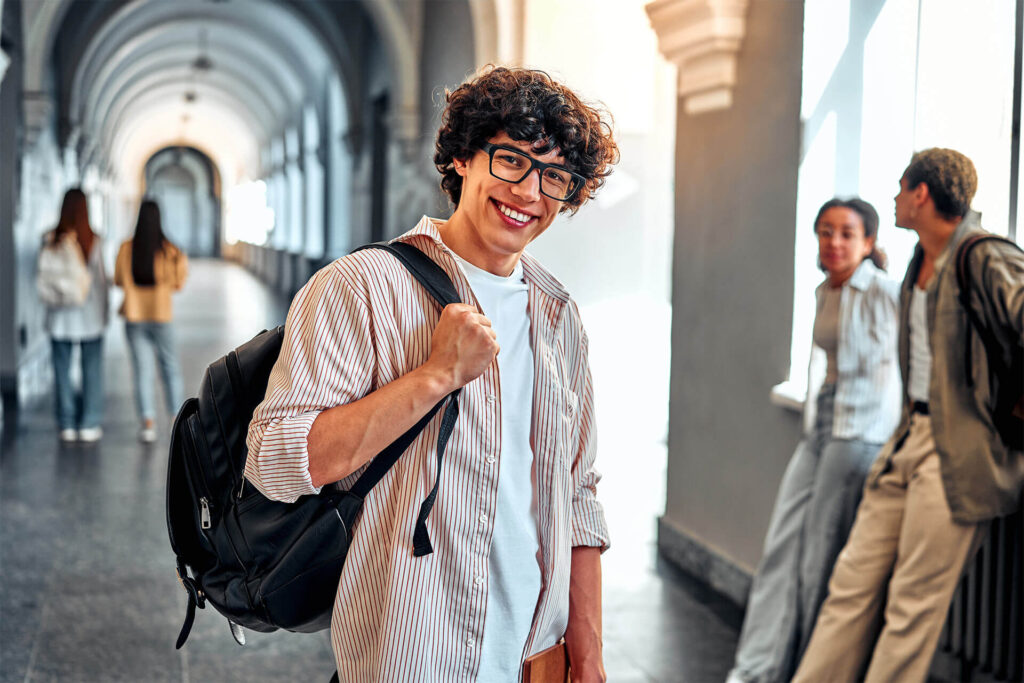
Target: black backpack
261 563
1006 365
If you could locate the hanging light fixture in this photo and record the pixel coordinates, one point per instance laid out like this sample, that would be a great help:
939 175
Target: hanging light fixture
199 66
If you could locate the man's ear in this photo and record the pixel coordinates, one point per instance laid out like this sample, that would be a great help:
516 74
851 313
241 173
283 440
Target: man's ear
922 194
460 166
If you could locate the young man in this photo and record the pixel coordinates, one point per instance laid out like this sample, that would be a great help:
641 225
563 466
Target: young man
945 471
516 528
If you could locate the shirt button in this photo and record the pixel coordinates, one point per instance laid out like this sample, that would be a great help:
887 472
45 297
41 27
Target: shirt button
483 518
490 459
491 398
470 642
479 580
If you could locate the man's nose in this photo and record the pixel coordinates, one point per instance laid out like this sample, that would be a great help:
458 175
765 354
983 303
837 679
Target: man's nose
529 187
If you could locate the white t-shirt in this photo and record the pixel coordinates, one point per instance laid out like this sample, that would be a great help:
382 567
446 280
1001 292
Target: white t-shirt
920 352
826 331
513 585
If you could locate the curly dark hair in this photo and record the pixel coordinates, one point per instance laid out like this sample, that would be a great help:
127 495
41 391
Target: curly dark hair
528 106
950 177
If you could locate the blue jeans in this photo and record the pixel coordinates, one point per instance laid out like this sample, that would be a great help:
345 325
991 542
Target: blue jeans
149 343
84 410
814 511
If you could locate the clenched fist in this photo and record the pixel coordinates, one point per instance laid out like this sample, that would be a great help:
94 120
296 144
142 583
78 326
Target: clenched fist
463 345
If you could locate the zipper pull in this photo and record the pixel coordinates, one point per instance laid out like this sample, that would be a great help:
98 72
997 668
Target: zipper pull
204 513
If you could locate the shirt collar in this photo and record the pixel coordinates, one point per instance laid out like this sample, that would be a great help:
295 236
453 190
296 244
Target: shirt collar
860 280
533 272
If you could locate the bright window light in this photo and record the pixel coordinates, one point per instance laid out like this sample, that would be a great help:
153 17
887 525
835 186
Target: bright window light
247 216
822 49
889 85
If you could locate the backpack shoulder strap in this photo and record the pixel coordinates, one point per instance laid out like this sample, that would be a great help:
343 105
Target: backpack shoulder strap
420 266
963 281
963 253
439 285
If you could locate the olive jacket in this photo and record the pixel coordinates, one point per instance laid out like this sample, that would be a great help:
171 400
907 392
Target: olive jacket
982 478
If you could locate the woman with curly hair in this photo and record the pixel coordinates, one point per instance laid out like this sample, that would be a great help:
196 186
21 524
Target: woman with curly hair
516 528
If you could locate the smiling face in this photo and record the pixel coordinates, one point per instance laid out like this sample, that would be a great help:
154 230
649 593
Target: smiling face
841 243
496 219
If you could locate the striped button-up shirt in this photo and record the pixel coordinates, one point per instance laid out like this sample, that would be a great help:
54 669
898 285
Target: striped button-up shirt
364 321
868 388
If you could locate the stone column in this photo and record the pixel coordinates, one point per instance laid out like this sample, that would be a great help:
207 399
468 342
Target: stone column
702 38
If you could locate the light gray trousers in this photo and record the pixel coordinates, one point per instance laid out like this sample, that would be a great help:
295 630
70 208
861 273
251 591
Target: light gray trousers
814 511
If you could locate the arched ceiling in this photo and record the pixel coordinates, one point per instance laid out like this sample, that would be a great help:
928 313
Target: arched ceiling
123 68
126 91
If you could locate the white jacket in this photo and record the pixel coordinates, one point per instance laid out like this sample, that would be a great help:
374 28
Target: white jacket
88 320
869 389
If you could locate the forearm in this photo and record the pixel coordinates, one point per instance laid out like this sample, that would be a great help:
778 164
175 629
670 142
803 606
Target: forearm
583 633
344 438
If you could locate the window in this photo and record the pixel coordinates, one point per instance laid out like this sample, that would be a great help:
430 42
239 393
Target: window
878 84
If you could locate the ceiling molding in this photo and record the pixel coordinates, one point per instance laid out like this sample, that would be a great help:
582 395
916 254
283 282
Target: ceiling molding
702 38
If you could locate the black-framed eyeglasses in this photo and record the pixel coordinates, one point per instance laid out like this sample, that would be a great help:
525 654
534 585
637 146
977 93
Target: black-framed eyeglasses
513 166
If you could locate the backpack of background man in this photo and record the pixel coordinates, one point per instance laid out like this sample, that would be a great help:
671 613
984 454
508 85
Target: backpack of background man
1006 364
262 563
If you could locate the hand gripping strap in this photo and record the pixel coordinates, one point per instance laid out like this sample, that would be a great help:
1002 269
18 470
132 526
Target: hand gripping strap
440 287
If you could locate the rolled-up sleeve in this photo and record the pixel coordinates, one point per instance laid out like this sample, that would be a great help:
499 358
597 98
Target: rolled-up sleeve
327 359
589 527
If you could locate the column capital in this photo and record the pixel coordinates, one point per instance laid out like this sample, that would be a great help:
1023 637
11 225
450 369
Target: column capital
702 38
38 112
404 123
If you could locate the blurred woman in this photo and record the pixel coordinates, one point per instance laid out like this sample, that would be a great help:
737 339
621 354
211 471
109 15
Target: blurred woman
77 321
149 268
852 407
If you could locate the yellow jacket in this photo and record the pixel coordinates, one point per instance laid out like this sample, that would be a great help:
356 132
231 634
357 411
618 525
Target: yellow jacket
150 303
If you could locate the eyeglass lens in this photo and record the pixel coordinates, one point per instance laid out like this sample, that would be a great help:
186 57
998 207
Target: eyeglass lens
514 167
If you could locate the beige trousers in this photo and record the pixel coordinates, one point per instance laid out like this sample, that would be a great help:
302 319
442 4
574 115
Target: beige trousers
899 569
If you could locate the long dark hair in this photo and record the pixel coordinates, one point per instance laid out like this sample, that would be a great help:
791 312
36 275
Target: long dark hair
74 217
148 240
868 218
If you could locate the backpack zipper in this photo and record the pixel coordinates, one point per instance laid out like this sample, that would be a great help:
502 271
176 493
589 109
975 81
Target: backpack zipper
204 513
199 478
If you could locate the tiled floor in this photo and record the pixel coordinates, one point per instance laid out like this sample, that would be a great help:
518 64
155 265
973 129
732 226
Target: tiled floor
87 584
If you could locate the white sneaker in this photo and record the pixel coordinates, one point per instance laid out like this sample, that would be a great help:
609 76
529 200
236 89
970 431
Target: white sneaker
147 435
90 434
68 435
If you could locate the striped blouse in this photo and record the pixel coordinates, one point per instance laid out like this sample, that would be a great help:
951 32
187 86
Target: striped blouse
868 389
360 323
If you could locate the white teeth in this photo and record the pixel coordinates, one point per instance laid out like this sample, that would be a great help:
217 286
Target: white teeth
514 215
